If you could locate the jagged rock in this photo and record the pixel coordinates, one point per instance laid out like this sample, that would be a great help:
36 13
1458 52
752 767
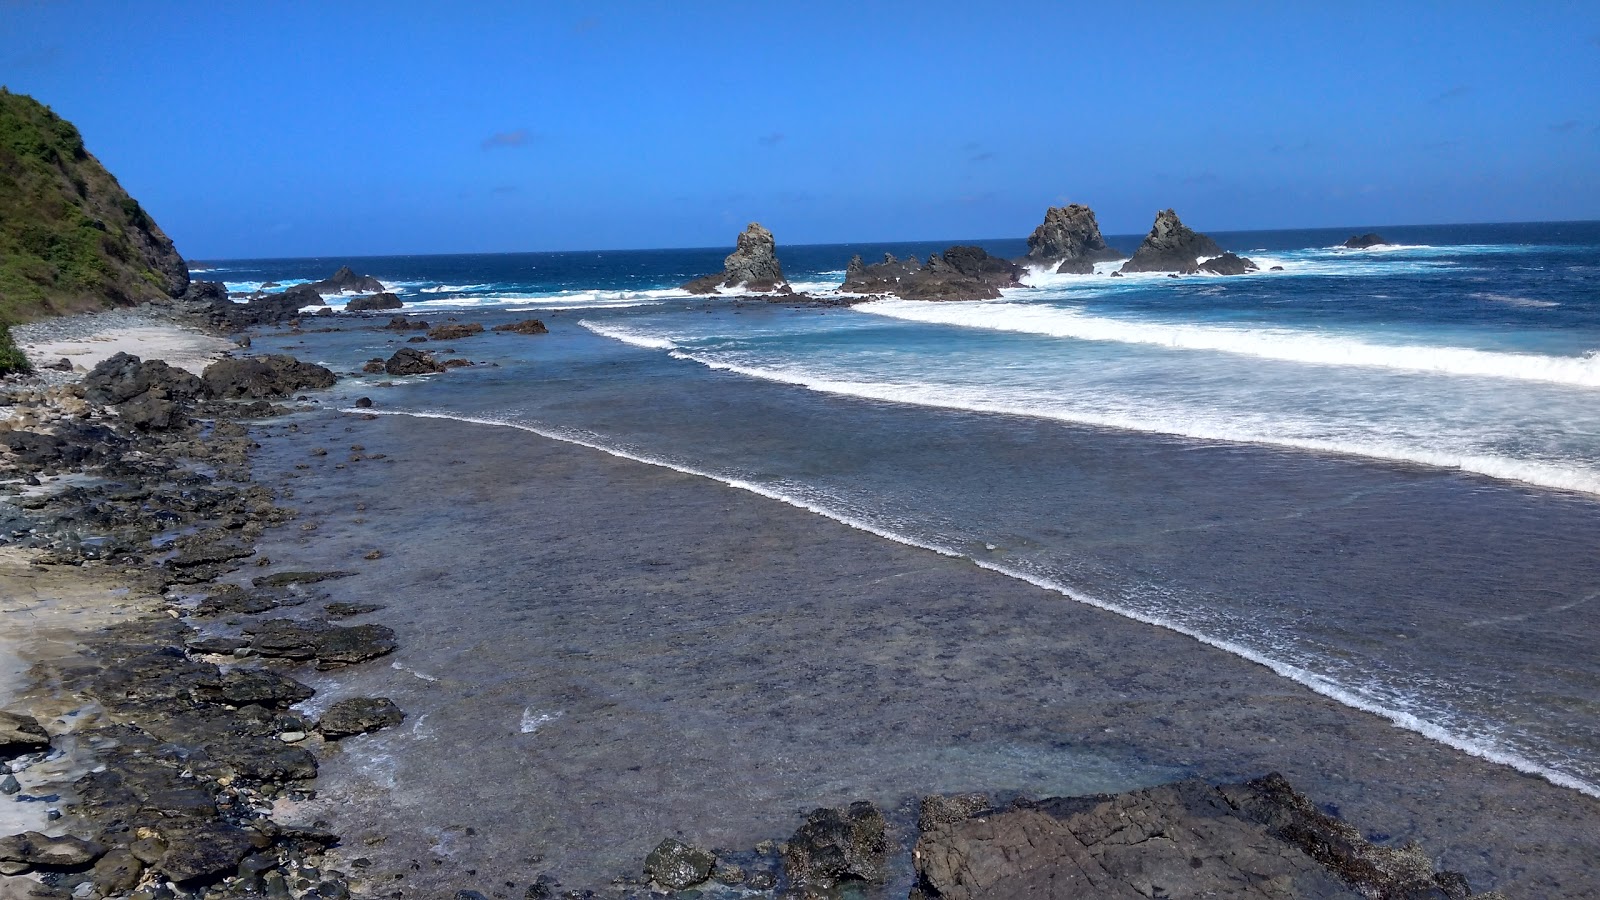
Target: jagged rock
1170 246
1069 240
401 323
1259 839
526 326
878 278
407 361
677 866
453 332
71 444
960 273
346 281
1363 241
123 377
1229 264
836 845
41 851
753 264
21 734
373 303
264 377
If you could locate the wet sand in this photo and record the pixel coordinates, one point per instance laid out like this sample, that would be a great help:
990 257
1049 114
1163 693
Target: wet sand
597 653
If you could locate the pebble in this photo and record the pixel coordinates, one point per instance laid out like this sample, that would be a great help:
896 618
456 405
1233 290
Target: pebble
10 785
292 737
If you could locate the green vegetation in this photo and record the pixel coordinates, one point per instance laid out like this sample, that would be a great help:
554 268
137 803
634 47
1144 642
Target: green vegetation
11 359
71 239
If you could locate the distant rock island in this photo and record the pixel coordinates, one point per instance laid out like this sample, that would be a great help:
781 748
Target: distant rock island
752 264
1069 241
71 239
346 281
1363 241
960 273
1171 246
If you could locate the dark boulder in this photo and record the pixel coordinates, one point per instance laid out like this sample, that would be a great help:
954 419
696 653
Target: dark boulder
880 277
346 281
526 326
407 361
1363 241
401 323
835 845
960 273
453 332
1170 246
1069 241
677 866
753 264
261 687
358 716
123 377
373 303
71 444
302 295
21 734
1229 264
44 852
264 377
331 646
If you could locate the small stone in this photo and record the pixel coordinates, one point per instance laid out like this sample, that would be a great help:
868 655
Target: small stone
373 554
364 403
292 737
9 785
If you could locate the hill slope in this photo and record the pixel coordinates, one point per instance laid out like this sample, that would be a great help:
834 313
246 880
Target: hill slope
71 239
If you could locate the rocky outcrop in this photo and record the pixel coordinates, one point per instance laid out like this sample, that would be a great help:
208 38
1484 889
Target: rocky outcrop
526 326
1229 264
677 866
753 264
838 845
451 332
1069 241
960 273
373 303
1258 839
71 239
407 361
1170 246
1363 241
346 281
264 378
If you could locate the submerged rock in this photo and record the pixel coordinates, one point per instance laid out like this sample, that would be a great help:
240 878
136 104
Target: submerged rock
1170 246
752 264
454 332
374 302
526 326
358 716
1363 241
675 865
42 851
407 361
331 646
1069 241
21 734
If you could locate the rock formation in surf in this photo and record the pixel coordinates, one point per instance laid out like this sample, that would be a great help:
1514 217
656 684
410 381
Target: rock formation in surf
346 281
1363 241
71 239
1170 246
1069 241
379 301
1229 264
753 264
960 273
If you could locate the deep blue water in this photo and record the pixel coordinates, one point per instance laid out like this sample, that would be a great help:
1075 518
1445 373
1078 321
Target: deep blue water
1377 472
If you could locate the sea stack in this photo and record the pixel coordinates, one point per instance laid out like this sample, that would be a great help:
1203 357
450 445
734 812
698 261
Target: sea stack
1069 241
1171 246
753 264
959 273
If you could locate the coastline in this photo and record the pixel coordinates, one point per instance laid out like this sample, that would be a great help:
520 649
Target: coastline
874 653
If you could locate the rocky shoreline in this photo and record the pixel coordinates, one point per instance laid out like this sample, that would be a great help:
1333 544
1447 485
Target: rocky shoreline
169 757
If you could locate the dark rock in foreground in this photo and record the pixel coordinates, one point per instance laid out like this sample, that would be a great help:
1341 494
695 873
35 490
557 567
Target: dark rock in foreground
960 273
1229 264
675 865
834 846
37 850
358 716
374 302
526 326
1363 241
21 734
753 264
1188 839
264 377
1170 246
331 646
1069 241
346 281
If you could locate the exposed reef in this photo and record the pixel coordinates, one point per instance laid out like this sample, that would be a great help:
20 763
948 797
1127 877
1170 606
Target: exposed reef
960 273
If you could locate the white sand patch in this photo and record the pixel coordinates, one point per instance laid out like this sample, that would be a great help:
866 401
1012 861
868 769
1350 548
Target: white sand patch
185 348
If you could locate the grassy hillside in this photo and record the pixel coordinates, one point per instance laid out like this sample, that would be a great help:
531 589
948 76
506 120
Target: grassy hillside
71 239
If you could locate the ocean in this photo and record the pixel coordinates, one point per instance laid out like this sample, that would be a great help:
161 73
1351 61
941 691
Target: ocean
1375 472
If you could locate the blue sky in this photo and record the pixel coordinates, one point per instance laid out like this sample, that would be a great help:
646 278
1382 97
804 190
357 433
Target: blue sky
287 129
